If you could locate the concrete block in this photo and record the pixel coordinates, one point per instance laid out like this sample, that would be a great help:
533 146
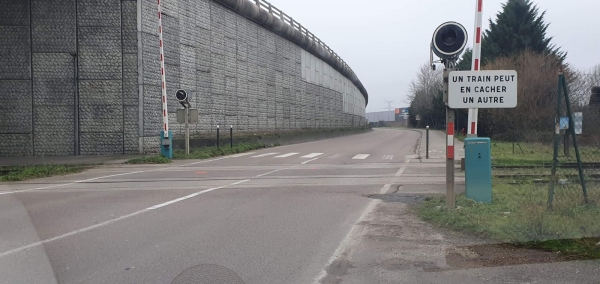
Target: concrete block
100 54
101 119
16 106
151 60
53 25
16 145
14 13
53 128
15 52
151 144
100 92
130 80
149 17
152 107
131 129
99 13
171 39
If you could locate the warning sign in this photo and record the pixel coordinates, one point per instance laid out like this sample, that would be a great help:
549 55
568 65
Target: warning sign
482 89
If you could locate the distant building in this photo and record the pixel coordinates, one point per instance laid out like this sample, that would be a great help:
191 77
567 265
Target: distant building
388 115
396 117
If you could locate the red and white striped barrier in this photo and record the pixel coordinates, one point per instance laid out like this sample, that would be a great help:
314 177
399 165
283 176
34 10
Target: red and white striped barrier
162 74
476 62
450 142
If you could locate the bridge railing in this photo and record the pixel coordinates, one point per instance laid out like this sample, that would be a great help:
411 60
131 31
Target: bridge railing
297 26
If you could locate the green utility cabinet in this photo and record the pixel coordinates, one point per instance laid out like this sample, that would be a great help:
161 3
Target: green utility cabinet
478 169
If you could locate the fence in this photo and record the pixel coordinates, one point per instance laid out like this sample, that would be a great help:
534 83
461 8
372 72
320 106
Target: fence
575 173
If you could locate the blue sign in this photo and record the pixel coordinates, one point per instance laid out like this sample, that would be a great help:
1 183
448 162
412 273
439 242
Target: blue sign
564 123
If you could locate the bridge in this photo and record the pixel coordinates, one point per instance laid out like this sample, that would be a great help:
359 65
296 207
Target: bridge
82 77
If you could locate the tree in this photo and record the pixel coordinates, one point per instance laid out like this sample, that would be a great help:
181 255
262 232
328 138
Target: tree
533 118
465 62
518 27
425 96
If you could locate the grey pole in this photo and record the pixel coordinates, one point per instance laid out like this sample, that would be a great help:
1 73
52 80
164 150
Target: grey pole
187 130
217 137
427 142
76 107
449 66
231 136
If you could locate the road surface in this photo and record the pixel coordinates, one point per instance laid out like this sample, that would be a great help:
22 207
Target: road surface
275 215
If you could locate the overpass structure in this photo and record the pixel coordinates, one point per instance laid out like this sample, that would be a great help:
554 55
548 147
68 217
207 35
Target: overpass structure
82 77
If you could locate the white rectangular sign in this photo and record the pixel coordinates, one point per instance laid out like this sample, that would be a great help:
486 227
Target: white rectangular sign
482 89
578 121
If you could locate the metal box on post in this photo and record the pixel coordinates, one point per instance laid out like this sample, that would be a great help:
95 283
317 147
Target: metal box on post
478 169
166 144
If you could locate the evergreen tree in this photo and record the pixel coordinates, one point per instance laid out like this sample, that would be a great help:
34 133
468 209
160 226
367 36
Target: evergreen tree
465 62
518 27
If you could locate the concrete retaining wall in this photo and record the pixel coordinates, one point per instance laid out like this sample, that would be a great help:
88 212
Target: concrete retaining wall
83 76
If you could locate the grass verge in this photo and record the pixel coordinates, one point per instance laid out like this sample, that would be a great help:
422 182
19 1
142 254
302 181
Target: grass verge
149 160
525 153
209 152
200 153
518 215
20 173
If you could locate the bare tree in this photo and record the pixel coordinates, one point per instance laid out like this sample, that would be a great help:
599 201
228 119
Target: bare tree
581 84
423 90
534 115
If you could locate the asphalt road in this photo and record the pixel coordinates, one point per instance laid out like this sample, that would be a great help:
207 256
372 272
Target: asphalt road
276 215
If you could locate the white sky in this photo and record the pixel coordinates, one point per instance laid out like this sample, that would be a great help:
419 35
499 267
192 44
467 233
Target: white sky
386 41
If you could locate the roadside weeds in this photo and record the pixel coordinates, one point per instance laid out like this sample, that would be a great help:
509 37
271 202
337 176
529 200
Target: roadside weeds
518 215
200 153
21 173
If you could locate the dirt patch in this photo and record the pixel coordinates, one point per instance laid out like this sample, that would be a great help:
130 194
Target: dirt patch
335 271
399 264
493 255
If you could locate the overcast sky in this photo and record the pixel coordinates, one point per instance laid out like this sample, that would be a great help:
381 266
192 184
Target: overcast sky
386 41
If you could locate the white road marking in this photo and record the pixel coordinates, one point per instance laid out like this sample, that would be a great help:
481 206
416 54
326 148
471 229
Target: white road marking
334 156
204 161
108 222
242 154
312 155
262 175
306 162
266 154
347 240
360 156
194 194
286 155
182 198
388 157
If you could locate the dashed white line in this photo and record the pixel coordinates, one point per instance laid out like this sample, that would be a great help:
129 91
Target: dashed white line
286 155
273 171
312 155
242 154
306 162
266 154
360 156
